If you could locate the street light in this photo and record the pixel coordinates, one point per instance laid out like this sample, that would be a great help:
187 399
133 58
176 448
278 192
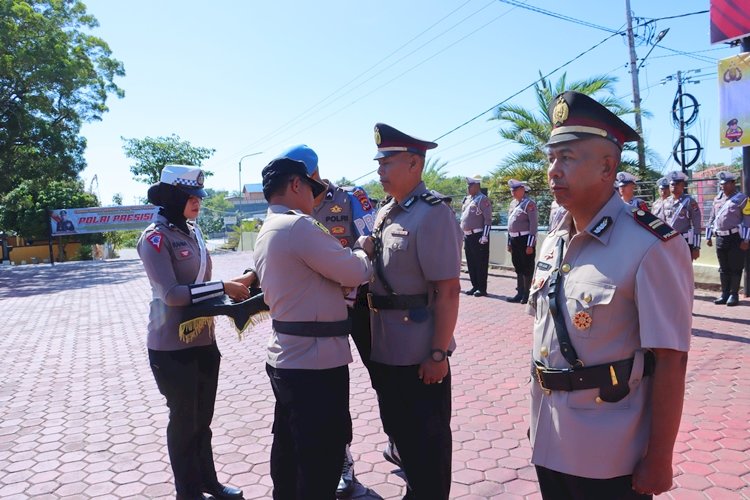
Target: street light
239 205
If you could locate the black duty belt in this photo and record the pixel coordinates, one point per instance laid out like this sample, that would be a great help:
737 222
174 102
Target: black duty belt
610 378
397 301
313 328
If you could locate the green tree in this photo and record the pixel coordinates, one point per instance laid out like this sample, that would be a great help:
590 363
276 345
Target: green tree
215 206
152 154
24 210
53 78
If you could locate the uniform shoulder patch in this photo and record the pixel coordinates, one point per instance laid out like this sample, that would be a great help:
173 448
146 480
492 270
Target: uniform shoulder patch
746 210
531 206
430 198
320 226
654 224
155 240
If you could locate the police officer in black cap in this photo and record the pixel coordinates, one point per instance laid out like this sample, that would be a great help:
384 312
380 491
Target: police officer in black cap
303 270
414 304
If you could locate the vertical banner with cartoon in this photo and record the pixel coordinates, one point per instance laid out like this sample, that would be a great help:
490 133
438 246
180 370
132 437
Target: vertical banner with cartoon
734 105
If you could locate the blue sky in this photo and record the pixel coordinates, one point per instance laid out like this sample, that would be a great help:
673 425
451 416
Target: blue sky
250 76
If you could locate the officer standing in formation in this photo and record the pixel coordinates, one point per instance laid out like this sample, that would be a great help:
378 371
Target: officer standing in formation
523 220
681 212
347 214
657 208
302 271
185 365
730 222
625 184
476 221
609 365
414 307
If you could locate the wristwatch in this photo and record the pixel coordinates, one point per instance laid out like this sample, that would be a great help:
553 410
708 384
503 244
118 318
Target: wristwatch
438 355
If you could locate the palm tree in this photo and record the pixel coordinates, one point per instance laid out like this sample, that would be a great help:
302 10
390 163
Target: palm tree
531 128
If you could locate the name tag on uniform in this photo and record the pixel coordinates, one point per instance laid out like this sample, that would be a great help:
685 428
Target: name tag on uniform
400 233
543 266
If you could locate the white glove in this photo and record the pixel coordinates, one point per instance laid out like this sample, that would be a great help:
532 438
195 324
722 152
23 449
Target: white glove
484 240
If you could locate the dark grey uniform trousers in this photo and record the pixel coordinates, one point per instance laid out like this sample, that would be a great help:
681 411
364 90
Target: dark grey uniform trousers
477 260
731 261
559 486
418 418
188 378
522 263
311 428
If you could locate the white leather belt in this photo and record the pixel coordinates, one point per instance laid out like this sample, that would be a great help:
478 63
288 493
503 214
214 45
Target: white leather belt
473 231
516 235
734 230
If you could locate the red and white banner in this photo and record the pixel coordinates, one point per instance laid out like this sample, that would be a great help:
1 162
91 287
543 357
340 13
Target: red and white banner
66 221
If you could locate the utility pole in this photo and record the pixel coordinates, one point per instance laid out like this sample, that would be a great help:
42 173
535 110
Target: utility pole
636 91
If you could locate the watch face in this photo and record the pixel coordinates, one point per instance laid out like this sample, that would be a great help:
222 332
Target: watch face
438 355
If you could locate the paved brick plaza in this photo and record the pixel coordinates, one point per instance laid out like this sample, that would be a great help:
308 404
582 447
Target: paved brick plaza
80 415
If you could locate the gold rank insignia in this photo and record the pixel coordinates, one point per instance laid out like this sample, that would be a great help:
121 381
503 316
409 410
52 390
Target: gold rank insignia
336 209
746 210
582 320
377 136
560 113
321 226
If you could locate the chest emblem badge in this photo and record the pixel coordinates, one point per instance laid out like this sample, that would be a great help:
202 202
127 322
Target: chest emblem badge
582 320
336 209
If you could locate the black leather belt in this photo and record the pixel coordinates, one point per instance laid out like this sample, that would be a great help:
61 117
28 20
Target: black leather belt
313 328
590 377
396 301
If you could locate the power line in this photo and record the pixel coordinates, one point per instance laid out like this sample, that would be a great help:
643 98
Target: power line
562 17
319 105
527 87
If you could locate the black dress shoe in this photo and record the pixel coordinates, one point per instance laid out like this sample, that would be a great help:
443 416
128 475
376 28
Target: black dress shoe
470 291
221 492
480 293
516 298
733 300
721 300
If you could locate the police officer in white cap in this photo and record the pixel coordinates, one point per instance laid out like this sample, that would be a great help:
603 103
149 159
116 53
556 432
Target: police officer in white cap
185 364
657 208
625 184
682 212
476 221
730 223
523 222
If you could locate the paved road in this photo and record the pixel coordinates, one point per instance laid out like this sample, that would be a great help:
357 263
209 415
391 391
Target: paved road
80 416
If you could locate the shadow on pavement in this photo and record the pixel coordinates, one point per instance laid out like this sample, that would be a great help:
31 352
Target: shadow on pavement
44 279
721 336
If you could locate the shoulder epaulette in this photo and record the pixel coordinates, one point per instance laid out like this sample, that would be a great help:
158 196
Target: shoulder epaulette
430 198
654 224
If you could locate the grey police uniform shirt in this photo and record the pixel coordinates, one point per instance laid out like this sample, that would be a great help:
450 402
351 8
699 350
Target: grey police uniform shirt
476 213
302 269
523 217
684 216
612 286
730 214
419 246
335 213
171 259
658 209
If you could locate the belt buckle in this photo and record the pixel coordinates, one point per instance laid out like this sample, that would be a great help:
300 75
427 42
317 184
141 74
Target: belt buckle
369 302
538 372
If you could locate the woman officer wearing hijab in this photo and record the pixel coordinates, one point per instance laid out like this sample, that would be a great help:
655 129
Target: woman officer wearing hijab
185 364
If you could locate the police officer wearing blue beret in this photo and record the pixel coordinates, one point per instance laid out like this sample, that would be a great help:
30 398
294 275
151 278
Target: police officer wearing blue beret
414 307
